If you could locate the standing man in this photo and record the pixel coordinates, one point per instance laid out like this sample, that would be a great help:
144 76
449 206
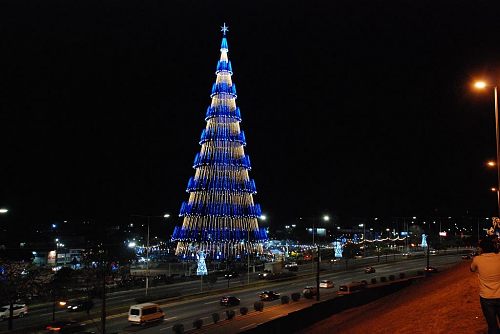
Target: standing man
487 267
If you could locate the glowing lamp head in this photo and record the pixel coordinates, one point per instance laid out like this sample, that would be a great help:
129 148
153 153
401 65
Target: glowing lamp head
480 84
493 189
491 163
3 210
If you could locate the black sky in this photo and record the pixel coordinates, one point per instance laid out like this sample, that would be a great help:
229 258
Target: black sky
355 108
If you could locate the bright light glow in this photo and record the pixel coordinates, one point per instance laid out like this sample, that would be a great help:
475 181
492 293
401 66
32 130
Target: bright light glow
326 218
263 217
131 244
480 84
3 210
491 163
493 189
166 215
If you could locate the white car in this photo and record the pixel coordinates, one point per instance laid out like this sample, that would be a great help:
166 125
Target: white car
326 284
20 310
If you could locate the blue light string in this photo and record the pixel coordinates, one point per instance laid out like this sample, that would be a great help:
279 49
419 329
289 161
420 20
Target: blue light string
222 134
206 160
217 235
220 210
222 111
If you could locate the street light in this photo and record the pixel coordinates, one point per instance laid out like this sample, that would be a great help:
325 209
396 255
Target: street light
483 85
147 245
4 210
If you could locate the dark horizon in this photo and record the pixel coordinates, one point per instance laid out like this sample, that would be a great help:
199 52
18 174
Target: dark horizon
349 109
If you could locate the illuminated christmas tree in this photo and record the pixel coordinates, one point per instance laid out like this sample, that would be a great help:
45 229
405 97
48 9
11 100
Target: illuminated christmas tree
220 217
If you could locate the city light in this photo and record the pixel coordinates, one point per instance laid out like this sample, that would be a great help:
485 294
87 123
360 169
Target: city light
326 218
3 210
480 84
166 215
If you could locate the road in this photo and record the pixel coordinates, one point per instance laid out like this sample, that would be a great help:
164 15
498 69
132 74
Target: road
201 307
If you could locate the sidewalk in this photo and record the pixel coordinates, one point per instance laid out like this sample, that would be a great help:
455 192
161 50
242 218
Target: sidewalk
448 302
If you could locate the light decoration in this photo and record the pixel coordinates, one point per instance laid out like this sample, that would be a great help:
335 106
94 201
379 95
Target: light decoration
202 267
495 226
424 241
338 248
220 216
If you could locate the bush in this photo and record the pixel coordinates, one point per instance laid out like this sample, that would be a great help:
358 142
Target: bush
215 317
178 328
392 277
402 275
285 299
230 314
383 279
198 323
374 280
258 306
243 310
295 296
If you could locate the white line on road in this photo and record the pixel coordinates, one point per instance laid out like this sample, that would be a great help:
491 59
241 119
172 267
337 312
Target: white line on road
171 318
165 328
248 326
215 301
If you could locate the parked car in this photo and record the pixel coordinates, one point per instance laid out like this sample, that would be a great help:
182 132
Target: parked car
430 269
64 327
269 295
20 310
369 270
229 301
326 284
79 305
310 291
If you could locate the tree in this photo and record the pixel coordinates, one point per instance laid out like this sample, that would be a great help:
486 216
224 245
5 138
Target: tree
18 279
220 217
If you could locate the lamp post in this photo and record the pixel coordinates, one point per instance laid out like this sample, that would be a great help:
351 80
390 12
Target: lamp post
483 85
147 245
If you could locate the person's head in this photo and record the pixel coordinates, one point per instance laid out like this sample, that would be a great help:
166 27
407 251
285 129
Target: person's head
487 246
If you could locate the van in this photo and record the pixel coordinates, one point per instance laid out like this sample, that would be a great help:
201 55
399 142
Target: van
147 312
353 287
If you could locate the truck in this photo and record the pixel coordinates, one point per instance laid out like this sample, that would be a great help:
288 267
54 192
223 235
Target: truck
271 270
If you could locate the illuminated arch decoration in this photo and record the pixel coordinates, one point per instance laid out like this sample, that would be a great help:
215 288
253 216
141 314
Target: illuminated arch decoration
220 217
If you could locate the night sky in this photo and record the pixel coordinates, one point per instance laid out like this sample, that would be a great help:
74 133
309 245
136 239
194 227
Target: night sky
352 108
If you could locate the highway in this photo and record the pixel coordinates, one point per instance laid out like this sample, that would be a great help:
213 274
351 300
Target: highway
193 306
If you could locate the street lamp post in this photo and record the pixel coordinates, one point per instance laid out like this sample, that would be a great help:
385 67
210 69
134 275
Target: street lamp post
147 245
483 85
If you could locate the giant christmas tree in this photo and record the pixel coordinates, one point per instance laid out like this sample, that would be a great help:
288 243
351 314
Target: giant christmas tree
220 216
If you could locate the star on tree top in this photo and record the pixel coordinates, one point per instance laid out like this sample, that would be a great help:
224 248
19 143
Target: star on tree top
224 29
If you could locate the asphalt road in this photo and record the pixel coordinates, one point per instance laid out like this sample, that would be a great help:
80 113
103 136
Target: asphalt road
201 307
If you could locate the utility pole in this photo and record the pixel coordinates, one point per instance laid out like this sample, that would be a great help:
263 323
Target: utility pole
147 259
103 306
317 274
